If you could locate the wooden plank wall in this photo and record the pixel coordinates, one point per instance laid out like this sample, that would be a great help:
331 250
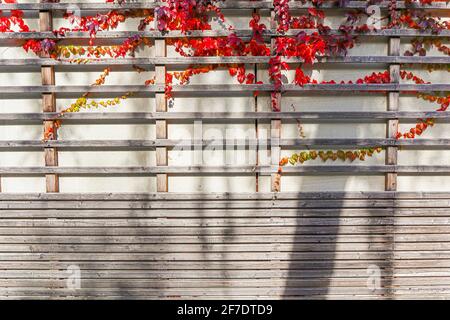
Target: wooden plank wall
259 245
226 246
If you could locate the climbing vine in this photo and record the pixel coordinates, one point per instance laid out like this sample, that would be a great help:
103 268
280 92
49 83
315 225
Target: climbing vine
315 39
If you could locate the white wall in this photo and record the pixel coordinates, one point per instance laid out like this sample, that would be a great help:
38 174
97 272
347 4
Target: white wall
290 102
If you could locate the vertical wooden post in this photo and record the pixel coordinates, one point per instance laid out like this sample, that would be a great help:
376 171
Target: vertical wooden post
392 125
391 158
275 124
161 125
49 105
256 148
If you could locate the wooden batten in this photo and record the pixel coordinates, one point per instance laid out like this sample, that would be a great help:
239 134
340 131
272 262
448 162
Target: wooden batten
393 105
161 124
436 6
260 116
151 61
49 105
244 33
256 110
391 157
275 124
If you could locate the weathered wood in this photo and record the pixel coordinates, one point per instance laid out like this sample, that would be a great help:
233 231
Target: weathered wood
275 123
152 61
231 213
167 248
245 34
404 268
223 245
49 105
288 143
214 283
216 256
392 130
275 151
162 183
221 231
225 204
236 170
85 6
194 283
152 117
196 293
393 124
217 222
225 5
185 197
213 265
112 240
223 89
256 109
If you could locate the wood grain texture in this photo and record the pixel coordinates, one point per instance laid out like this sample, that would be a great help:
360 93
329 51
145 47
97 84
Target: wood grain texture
226 5
393 105
221 89
161 251
217 143
242 33
221 245
152 117
152 61
220 170
275 123
162 180
49 105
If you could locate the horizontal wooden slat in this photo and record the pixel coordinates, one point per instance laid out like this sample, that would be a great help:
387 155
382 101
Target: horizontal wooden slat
126 293
147 62
115 296
56 203
236 170
255 276
188 248
405 240
218 143
228 248
224 88
244 33
151 117
98 284
186 197
403 268
217 222
205 205
219 256
209 239
196 283
231 213
300 230
219 231
264 4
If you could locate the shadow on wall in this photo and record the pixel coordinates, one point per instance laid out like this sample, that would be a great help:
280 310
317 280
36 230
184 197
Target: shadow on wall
341 247
214 256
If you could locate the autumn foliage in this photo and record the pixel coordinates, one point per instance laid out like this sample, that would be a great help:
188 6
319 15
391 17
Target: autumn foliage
304 37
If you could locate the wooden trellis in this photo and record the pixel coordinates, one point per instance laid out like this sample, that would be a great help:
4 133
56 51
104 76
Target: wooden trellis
265 244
